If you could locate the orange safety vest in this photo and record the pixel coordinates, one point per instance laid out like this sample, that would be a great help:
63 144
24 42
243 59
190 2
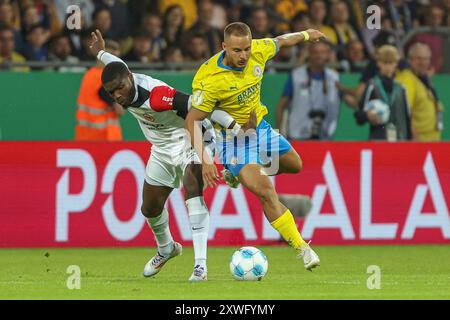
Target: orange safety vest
95 121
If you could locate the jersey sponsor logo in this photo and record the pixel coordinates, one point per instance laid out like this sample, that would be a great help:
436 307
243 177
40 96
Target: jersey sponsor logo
257 71
249 94
197 97
152 126
149 117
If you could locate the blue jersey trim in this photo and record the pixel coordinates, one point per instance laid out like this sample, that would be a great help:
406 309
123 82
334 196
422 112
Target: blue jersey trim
221 65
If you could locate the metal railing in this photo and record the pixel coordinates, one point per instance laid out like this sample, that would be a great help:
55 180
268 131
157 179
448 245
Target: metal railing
193 66
158 66
413 32
142 67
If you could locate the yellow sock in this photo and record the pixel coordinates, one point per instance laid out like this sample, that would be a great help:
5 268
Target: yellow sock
285 225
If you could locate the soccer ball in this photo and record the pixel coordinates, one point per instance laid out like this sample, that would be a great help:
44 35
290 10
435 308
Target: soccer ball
248 264
380 108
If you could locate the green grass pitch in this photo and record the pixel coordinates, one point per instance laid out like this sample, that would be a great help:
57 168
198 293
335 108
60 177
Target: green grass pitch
407 272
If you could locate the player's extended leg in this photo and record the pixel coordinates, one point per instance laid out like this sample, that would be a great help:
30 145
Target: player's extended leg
198 218
278 215
154 198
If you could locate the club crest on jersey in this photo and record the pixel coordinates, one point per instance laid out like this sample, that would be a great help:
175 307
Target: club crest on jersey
149 117
197 97
257 71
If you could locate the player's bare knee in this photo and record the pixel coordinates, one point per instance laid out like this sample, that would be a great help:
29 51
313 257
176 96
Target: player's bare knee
266 194
193 182
152 210
192 189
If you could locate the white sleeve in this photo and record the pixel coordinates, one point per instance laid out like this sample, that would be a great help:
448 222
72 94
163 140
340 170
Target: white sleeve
107 57
221 117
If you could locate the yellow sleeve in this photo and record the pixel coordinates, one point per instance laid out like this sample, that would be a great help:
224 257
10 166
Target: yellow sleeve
203 100
265 48
408 83
203 97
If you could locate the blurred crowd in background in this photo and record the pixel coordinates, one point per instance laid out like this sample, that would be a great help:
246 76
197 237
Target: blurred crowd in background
177 31
395 58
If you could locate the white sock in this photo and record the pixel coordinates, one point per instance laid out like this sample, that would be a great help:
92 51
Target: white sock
161 231
199 220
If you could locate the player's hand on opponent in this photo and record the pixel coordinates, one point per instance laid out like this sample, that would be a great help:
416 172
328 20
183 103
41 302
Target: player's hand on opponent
210 174
97 43
252 122
315 35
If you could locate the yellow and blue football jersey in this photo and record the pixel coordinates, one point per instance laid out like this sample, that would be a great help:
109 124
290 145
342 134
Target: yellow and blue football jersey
234 90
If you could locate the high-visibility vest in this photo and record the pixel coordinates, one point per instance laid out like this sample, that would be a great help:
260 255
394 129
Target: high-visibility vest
95 121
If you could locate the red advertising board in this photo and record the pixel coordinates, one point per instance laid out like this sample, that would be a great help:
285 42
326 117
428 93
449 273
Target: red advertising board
68 194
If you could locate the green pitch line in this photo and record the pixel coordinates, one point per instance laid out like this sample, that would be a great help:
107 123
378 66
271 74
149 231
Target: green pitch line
407 272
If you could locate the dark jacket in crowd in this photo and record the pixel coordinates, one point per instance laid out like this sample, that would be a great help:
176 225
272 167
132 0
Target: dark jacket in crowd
393 94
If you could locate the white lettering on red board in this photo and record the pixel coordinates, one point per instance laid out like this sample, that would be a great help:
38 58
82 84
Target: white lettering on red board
337 220
72 203
369 230
439 219
241 219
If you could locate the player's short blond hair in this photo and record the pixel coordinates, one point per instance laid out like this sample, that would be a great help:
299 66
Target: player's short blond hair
238 29
387 53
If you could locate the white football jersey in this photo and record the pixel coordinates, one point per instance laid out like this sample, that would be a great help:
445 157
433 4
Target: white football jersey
160 128
164 130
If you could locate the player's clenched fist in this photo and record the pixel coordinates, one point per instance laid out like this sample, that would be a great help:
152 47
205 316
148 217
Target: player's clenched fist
97 43
252 122
315 35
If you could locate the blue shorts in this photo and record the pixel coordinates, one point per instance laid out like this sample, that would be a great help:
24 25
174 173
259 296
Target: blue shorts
262 147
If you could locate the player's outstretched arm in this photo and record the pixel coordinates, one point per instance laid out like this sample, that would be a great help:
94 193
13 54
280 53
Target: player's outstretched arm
98 49
164 98
291 39
193 125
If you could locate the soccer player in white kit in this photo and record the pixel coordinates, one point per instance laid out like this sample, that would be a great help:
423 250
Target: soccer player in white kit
172 161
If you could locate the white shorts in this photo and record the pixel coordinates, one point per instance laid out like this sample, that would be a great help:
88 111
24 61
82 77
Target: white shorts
166 167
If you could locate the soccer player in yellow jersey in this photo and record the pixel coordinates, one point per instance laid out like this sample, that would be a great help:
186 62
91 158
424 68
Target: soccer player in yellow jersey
231 81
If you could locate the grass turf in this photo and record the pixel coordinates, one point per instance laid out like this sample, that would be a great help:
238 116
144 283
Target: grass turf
407 272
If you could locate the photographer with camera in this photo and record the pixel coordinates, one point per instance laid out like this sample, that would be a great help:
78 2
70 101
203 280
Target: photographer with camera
311 98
